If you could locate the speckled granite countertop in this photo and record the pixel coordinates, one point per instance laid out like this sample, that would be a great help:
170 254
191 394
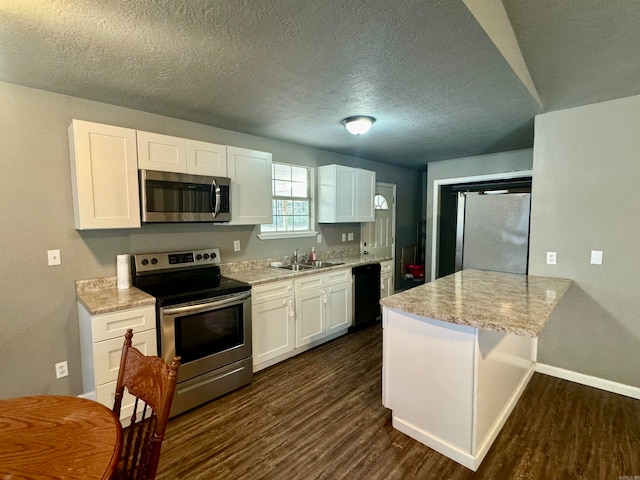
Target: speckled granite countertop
101 295
257 273
502 302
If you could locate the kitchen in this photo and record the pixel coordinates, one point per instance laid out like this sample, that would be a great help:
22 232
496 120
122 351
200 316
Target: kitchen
582 203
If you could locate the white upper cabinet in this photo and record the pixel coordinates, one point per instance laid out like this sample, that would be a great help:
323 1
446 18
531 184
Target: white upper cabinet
174 154
161 152
345 194
251 193
104 176
365 193
205 158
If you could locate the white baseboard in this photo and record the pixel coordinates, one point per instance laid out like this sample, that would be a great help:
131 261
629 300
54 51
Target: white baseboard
581 378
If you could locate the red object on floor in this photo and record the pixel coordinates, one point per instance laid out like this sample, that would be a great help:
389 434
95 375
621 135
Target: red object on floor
417 271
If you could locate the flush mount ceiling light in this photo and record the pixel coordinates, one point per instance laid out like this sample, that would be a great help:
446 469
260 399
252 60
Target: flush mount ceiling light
359 124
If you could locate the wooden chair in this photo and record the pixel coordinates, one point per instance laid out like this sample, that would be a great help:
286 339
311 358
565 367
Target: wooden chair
153 383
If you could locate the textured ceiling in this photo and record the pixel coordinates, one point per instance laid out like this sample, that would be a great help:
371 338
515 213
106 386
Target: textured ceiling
292 69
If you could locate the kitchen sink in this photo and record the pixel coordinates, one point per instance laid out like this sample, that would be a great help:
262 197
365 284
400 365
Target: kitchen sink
297 267
322 263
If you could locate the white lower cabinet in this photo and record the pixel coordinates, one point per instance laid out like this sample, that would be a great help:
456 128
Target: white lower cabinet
324 304
386 279
292 316
101 340
273 321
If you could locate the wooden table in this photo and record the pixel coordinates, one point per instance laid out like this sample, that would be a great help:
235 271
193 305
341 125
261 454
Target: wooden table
57 437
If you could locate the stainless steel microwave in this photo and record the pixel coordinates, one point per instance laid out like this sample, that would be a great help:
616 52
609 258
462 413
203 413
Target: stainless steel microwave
167 197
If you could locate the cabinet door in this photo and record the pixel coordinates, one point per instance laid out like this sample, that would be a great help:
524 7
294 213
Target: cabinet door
161 152
386 285
339 311
104 176
273 328
251 194
346 194
365 192
206 159
310 307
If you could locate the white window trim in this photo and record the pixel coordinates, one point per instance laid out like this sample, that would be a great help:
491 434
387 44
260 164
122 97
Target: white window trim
312 212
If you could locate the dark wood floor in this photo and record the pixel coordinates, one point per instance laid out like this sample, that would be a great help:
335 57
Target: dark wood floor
318 416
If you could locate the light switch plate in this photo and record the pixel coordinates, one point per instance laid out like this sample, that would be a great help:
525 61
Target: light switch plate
344 237
596 257
319 238
350 236
236 245
53 257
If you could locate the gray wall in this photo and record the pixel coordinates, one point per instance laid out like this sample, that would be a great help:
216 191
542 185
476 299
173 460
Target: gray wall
585 197
514 161
38 317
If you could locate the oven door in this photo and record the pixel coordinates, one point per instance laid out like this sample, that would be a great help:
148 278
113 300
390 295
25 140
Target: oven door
207 335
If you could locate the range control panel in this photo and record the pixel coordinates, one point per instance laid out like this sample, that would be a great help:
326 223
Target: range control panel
149 262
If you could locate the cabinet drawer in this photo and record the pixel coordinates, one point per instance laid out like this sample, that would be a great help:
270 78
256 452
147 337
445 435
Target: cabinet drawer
271 291
386 266
106 354
338 276
310 282
115 324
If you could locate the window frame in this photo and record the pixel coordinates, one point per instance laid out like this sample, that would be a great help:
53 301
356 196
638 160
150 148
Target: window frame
263 235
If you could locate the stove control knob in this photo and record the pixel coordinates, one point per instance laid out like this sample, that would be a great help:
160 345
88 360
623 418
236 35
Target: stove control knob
154 261
198 257
206 256
145 261
213 255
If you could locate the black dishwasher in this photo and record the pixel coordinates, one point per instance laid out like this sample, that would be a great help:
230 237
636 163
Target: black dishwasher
366 295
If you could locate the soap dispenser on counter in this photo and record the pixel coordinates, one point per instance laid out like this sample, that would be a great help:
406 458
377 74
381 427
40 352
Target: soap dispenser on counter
312 256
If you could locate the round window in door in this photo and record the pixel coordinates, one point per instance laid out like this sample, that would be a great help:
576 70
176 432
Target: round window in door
380 202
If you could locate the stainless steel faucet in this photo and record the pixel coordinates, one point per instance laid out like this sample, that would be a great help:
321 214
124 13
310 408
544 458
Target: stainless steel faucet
295 256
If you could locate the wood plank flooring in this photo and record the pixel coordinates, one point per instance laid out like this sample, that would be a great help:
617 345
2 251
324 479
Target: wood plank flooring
319 416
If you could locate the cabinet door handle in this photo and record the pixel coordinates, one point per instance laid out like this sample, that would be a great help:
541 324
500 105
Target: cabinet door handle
292 312
324 297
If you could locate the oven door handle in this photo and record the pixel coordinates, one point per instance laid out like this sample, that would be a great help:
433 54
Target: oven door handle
224 301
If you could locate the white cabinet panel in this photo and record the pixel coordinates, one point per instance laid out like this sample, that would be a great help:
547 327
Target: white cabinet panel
339 313
365 193
310 308
104 176
251 192
205 158
273 325
161 152
386 279
106 354
115 324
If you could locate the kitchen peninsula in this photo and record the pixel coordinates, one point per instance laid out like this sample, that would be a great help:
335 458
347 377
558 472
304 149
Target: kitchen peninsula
457 354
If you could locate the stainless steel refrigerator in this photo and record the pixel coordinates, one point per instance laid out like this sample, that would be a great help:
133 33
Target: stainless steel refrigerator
492 231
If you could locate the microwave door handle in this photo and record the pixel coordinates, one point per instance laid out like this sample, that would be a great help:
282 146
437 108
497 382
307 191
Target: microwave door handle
215 197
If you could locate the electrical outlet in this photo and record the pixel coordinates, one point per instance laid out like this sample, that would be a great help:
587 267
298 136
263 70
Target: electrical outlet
61 369
551 258
236 245
350 236
54 257
596 257
319 238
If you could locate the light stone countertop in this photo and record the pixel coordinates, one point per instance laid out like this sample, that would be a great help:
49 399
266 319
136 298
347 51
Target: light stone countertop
260 273
502 302
101 295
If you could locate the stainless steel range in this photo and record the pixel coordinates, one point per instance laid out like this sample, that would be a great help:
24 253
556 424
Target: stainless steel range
201 316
